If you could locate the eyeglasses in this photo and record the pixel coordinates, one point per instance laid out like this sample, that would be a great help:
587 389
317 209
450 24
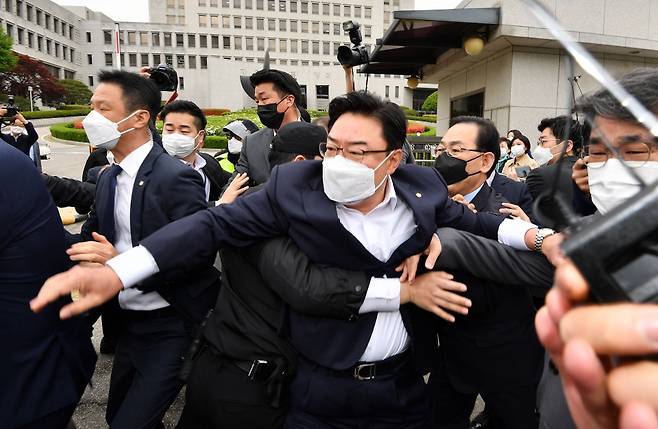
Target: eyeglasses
328 150
636 152
454 151
541 142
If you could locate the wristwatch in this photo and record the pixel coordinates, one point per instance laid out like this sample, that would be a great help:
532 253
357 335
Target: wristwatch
542 233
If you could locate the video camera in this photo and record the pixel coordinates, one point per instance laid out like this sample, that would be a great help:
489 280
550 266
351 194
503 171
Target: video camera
12 111
356 54
165 77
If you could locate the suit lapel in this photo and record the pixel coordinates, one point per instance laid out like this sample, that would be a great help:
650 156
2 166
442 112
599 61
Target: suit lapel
139 189
267 141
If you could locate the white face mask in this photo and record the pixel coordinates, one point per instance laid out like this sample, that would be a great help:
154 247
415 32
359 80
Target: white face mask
234 146
103 133
611 184
348 182
518 150
179 145
503 151
542 155
16 130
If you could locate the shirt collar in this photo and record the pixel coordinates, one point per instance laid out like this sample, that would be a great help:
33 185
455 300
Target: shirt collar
131 163
469 197
491 177
198 163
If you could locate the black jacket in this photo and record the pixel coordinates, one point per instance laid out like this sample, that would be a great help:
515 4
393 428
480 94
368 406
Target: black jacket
495 346
218 177
70 192
541 180
248 319
23 142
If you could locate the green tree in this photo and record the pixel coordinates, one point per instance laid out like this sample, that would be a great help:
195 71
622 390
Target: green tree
429 105
76 92
7 58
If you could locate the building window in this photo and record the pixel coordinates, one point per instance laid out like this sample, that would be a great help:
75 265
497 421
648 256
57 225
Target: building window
293 46
336 9
249 23
304 7
304 46
57 49
213 3
226 3
283 45
30 39
108 59
180 61
29 12
397 91
236 4
214 41
226 21
180 40
202 3
167 39
71 32
181 82
40 43
325 9
271 6
237 42
387 91
90 80
260 44
271 25
155 39
315 8
282 25
203 62
322 92
226 42
304 26
357 11
90 59
203 20
214 21
347 10
72 54
39 15
248 4
203 41
316 47
271 45
316 27
368 32
132 60
326 48
47 19
191 61
249 43
260 24
169 60
259 4
293 26
107 37
20 33
156 59
191 40
293 6
237 22
325 28
144 60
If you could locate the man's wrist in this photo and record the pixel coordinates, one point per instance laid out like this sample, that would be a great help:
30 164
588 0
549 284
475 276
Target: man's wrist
530 237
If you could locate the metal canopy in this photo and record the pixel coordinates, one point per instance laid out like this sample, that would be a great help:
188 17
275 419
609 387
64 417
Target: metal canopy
418 37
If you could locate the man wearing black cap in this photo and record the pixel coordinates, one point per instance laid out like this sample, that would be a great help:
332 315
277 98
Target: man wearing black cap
278 97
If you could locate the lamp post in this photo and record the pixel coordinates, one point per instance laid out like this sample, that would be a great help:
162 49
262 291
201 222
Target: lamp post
29 90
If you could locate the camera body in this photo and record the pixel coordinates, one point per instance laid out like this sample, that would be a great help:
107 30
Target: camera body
12 110
165 77
356 54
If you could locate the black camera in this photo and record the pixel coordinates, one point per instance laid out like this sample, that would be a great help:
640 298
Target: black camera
165 77
12 110
356 54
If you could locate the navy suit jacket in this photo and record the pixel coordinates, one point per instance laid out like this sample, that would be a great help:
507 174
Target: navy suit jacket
293 203
165 190
45 362
514 192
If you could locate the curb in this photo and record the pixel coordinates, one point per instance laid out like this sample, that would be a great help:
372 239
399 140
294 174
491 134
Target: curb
49 138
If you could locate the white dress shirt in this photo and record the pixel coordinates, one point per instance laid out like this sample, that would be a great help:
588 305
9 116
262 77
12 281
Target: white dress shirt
132 298
198 165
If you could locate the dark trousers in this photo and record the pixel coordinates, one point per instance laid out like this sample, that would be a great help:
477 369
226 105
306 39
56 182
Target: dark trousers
56 420
508 408
323 400
219 395
146 369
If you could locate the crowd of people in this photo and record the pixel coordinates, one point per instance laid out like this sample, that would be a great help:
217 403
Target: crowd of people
312 276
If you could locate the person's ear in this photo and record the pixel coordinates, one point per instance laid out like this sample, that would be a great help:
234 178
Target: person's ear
201 139
141 119
569 146
488 159
298 158
394 161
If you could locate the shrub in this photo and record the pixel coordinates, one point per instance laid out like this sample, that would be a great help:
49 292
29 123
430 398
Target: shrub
66 131
215 142
429 105
215 112
73 106
408 112
55 113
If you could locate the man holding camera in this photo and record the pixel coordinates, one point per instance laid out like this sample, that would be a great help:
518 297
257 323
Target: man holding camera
17 136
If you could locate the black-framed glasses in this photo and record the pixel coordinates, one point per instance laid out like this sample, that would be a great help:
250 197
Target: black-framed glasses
454 151
329 150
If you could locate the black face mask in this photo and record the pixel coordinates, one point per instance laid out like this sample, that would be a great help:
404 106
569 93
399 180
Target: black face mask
453 169
269 116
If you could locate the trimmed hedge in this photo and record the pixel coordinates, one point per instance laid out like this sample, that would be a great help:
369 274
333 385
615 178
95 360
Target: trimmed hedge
215 112
43 114
67 132
424 118
73 106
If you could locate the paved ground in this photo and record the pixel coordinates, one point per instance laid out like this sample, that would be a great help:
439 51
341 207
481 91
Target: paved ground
67 160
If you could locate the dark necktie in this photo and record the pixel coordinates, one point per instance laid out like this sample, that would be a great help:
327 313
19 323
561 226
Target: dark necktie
107 221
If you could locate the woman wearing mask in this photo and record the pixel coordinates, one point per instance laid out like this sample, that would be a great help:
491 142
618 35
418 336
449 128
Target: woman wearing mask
505 146
519 155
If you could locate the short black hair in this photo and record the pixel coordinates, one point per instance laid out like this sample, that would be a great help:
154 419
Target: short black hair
389 115
578 133
519 135
283 83
184 106
506 141
641 83
277 158
488 139
138 92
